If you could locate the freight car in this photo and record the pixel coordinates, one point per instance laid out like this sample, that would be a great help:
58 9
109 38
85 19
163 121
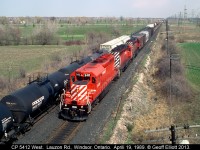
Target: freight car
114 43
90 84
150 30
147 36
144 35
6 118
25 104
20 108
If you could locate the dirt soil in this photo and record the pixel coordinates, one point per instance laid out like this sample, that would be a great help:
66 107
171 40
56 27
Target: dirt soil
143 109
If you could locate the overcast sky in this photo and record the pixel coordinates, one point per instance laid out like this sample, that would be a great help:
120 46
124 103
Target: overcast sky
98 8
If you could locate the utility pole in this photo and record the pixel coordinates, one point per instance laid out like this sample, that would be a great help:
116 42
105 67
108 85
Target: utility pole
173 134
167 36
179 19
185 12
185 16
171 57
193 12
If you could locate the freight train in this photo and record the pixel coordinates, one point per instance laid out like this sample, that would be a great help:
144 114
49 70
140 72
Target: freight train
19 109
79 85
91 82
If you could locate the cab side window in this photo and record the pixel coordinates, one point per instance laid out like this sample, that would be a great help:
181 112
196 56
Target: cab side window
73 78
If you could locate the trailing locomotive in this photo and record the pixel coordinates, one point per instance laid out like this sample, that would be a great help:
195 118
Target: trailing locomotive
20 108
123 55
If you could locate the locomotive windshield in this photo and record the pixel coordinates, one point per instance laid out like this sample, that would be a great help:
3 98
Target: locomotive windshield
81 77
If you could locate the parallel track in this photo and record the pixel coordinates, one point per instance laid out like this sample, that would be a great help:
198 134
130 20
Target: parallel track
44 113
38 119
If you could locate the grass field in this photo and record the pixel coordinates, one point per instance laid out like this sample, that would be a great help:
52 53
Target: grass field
80 32
191 59
29 58
74 32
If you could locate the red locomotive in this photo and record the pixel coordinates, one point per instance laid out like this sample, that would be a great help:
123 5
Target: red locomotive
89 85
123 56
134 43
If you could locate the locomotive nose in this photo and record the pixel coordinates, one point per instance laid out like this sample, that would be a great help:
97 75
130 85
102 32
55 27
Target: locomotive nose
73 114
74 102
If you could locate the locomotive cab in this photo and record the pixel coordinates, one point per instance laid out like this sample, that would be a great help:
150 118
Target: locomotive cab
78 101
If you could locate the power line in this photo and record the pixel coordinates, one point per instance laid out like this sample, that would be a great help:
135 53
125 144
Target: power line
185 12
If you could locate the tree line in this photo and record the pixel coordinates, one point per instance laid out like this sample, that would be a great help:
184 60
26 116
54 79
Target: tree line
41 35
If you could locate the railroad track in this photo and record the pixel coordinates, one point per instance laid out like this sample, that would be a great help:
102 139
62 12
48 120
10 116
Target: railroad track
64 133
44 113
38 119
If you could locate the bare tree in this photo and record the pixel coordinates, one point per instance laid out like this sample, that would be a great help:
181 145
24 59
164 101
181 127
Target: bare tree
4 20
115 32
15 34
53 19
94 39
46 34
2 35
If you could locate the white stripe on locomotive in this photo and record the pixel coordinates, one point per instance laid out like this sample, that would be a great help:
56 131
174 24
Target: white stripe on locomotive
81 90
117 59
